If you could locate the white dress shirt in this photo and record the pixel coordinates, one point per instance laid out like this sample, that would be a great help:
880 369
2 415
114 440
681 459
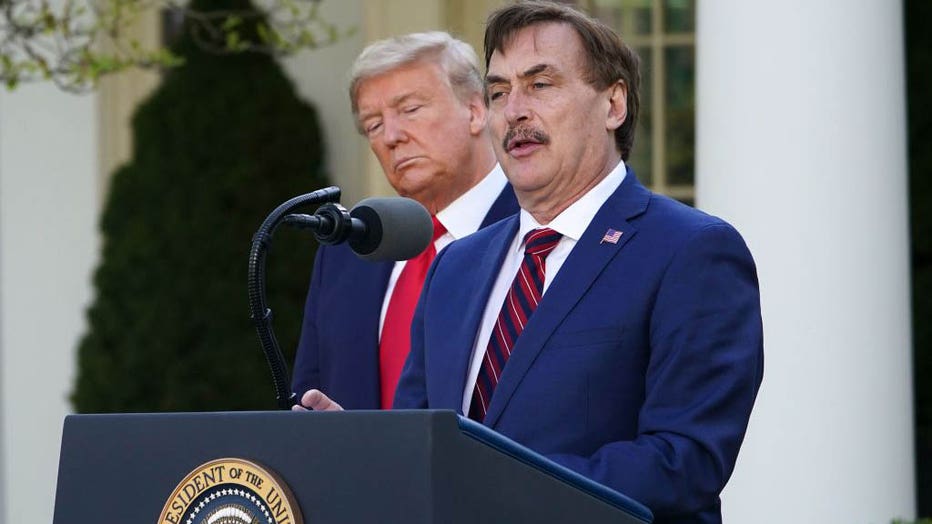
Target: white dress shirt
571 223
462 217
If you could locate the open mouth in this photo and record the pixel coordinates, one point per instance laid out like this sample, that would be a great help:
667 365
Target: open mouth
523 141
523 147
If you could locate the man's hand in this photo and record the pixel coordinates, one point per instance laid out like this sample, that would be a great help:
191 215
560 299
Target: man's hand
316 400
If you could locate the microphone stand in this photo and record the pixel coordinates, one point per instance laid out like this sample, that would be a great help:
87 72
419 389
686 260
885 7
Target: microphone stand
259 312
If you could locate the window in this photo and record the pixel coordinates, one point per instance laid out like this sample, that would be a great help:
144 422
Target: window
664 36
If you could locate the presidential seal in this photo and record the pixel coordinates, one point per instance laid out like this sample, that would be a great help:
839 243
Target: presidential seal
231 491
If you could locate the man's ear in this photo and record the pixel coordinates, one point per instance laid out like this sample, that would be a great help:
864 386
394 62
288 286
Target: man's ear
617 105
478 115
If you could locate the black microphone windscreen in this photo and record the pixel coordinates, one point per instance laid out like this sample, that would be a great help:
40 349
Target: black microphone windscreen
397 228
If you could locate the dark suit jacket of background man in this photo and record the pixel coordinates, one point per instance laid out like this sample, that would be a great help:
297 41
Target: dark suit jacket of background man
338 352
638 369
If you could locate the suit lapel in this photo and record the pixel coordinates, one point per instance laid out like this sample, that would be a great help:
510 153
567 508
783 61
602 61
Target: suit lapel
369 306
466 302
584 264
504 206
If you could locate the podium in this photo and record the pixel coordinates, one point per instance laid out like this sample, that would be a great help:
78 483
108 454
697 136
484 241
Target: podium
350 467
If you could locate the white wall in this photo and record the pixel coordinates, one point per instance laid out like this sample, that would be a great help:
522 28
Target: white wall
802 145
48 247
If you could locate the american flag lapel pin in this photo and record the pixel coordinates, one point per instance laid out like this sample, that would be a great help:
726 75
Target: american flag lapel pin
611 236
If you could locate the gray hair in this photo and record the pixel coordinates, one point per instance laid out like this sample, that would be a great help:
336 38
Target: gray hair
457 58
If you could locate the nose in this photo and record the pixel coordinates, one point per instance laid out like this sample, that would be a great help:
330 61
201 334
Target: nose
516 107
393 131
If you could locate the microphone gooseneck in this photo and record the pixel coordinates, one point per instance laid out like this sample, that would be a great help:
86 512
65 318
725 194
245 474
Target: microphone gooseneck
376 229
259 311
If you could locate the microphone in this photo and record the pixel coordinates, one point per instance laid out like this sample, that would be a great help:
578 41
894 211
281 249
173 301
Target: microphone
395 229
387 228
376 229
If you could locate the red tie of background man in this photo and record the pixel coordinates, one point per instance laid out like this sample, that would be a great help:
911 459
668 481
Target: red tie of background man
521 301
396 332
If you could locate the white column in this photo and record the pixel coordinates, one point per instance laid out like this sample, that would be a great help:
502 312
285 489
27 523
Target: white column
802 146
48 247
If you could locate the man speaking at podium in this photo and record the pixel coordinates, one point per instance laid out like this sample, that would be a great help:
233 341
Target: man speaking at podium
418 100
615 331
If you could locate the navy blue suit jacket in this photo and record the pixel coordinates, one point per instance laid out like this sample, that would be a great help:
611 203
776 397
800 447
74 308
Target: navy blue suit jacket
638 369
338 351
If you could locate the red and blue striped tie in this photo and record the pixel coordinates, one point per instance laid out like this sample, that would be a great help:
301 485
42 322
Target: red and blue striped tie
520 303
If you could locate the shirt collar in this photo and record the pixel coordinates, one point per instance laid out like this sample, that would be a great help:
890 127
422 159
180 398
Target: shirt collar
465 214
574 220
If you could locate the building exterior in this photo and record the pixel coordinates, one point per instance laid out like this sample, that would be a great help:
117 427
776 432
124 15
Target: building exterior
795 144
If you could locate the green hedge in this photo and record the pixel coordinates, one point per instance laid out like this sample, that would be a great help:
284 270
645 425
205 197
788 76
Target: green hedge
218 145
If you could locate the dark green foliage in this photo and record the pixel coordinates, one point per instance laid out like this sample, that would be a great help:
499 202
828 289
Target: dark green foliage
222 141
919 85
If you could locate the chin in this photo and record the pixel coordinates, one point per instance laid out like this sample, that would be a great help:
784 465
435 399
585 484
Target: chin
523 174
415 189
410 181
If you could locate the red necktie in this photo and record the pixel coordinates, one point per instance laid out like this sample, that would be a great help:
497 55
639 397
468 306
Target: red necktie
520 303
396 331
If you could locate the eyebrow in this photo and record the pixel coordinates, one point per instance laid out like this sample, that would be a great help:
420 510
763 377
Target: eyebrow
400 99
531 71
394 102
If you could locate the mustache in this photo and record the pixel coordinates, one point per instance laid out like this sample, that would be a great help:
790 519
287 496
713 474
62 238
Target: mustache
524 134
